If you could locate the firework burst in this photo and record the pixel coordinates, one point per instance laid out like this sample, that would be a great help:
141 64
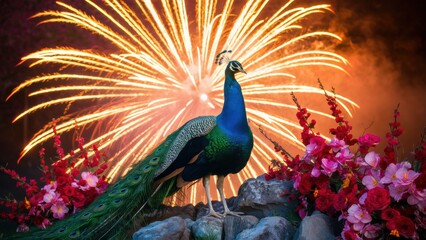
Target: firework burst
161 72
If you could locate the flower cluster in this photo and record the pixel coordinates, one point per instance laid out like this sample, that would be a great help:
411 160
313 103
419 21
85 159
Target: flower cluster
65 188
375 195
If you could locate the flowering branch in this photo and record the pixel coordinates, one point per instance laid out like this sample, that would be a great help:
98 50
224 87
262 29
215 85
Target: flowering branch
376 196
65 189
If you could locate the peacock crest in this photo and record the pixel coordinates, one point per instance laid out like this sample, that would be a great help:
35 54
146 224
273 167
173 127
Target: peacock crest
222 56
233 65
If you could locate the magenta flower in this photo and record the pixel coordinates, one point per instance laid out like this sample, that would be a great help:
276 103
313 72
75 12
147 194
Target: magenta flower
315 172
368 140
59 209
315 146
328 166
372 159
358 217
373 180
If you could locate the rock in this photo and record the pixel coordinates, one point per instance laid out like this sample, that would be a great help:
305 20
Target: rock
262 198
317 226
171 228
233 225
271 228
207 228
189 222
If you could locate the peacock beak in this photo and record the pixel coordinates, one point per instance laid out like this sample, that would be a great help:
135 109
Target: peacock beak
242 70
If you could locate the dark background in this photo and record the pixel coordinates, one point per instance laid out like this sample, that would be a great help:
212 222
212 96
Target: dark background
384 41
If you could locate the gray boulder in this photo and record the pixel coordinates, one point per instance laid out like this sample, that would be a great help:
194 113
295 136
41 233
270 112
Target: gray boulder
170 229
261 198
207 228
233 225
271 228
317 226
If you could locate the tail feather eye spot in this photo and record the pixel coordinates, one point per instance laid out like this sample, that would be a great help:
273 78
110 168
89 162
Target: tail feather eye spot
137 177
113 192
100 207
117 202
86 215
74 234
146 168
123 192
159 150
154 161
62 229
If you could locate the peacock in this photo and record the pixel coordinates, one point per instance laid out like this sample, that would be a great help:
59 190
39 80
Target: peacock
202 147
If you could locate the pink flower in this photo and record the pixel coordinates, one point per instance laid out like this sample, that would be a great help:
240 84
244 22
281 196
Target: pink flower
50 187
336 144
371 231
389 174
405 176
45 223
372 159
22 228
397 191
343 155
91 180
358 217
51 197
368 140
417 197
328 166
59 209
373 180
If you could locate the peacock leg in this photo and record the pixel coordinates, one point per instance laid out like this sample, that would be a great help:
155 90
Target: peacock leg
219 186
206 184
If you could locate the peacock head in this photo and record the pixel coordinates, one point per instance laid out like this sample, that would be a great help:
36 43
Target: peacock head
235 67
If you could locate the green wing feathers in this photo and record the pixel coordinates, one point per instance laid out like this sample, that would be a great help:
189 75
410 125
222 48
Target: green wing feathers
111 214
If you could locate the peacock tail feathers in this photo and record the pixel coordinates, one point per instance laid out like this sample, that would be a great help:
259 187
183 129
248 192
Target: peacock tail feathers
112 213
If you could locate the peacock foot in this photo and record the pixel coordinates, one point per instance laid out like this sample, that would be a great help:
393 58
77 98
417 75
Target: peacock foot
215 214
231 213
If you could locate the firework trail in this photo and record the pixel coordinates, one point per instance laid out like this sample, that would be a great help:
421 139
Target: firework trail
161 72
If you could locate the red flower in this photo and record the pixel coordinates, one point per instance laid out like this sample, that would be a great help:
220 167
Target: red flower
405 226
69 191
305 184
78 200
62 180
377 199
324 200
389 214
340 201
350 235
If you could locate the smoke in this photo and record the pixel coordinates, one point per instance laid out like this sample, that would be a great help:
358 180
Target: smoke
384 42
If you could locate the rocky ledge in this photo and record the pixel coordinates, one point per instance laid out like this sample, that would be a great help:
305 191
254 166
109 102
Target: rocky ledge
267 215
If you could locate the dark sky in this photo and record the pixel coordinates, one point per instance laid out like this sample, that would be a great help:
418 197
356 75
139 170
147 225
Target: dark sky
384 41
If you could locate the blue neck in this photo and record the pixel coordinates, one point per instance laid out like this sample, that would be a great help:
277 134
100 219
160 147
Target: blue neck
233 116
